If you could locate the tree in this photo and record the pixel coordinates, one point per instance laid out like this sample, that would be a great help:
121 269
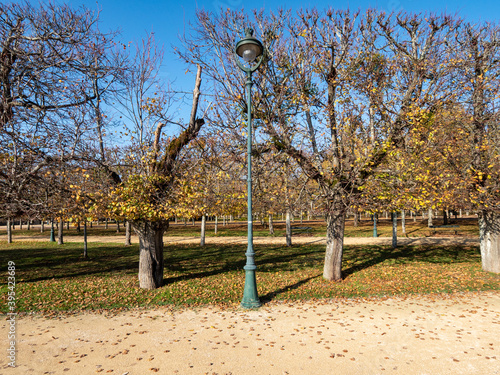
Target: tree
313 105
46 54
478 75
153 191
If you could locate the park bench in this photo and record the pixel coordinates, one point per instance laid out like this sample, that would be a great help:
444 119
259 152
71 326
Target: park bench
435 227
301 230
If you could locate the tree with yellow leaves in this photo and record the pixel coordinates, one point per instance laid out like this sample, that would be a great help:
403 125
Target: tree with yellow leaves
336 117
156 191
476 60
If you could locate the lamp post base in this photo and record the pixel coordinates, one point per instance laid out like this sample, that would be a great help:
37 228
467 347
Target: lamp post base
250 297
52 235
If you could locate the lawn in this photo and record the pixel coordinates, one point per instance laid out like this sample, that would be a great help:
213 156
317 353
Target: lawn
52 278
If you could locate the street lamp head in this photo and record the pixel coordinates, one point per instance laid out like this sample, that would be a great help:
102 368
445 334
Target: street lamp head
249 48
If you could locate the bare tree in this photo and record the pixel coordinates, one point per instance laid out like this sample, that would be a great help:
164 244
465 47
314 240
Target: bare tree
46 54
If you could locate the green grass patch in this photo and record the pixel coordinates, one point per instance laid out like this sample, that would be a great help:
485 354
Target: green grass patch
51 278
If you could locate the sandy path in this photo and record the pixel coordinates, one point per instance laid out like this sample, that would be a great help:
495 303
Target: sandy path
446 335
270 240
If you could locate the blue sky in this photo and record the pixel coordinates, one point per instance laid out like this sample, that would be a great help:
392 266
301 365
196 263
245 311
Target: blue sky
168 19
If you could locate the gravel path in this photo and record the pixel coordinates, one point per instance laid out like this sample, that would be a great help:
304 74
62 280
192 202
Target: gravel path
439 335
270 240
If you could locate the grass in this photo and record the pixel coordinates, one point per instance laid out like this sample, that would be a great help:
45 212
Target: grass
52 278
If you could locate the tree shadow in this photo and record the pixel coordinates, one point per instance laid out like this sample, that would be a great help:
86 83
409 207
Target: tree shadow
60 261
186 262
266 298
373 255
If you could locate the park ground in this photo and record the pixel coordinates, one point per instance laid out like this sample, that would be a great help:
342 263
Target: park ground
432 333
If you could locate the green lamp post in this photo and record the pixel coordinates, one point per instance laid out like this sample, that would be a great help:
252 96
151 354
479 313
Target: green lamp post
252 52
52 237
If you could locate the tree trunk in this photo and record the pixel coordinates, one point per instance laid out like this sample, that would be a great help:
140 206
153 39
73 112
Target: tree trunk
335 224
150 253
489 237
216 224
117 226
60 227
429 218
42 223
288 229
403 222
356 219
127 234
85 254
445 217
271 225
394 217
9 230
375 218
203 227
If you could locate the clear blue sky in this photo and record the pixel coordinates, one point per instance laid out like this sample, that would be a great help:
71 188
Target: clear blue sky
169 18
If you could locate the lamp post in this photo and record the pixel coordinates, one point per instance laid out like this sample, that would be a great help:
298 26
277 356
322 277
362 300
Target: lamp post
52 237
251 51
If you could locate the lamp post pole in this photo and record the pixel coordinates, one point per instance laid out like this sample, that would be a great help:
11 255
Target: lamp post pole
249 48
250 295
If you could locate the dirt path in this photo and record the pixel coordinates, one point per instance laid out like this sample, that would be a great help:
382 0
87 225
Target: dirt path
271 240
439 335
